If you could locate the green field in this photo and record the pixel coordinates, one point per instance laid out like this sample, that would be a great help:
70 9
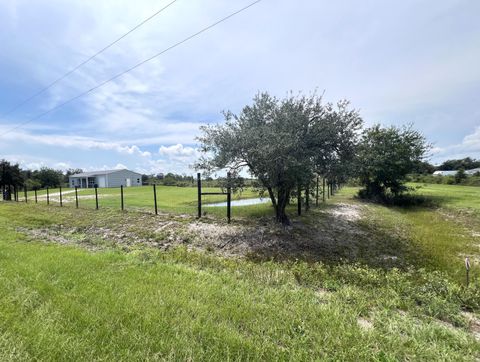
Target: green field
386 284
467 197
170 199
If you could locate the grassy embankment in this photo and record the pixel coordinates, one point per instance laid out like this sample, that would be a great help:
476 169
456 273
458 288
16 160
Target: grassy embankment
59 301
440 237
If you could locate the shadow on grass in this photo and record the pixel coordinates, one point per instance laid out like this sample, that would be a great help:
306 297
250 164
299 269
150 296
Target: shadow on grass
338 235
405 200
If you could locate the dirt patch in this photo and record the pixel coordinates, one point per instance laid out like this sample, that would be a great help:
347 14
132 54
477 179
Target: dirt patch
364 324
331 234
348 212
473 324
71 199
64 237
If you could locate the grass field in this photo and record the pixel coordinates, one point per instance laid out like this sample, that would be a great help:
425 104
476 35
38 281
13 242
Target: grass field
172 199
107 299
467 197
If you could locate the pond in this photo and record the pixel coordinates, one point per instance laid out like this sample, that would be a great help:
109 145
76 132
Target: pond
244 202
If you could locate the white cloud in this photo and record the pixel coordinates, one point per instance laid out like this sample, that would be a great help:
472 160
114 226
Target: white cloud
177 150
469 147
75 142
120 166
363 52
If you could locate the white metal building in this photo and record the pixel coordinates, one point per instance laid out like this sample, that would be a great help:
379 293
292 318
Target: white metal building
473 171
444 173
106 178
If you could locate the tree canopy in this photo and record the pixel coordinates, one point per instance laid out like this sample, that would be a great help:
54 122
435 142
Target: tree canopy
48 177
10 175
464 163
282 142
386 156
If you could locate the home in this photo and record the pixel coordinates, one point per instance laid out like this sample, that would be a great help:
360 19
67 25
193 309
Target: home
106 178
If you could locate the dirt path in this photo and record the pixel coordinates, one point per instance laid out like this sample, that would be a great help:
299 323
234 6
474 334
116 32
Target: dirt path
44 196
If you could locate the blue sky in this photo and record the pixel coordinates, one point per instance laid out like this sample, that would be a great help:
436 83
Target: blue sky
398 62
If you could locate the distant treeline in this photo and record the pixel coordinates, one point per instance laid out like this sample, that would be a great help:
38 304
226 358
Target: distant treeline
457 179
13 175
449 165
455 165
424 172
171 179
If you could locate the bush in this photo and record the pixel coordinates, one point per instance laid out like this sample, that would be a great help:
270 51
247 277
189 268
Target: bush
386 156
400 199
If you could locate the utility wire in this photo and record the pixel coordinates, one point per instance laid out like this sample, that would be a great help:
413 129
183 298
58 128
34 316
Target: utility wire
86 61
131 68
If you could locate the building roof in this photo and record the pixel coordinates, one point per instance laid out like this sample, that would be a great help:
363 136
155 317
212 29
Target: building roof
454 172
101 172
445 173
473 171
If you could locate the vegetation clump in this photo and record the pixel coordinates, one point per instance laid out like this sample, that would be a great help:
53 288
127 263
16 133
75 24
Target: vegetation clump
284 143
385 157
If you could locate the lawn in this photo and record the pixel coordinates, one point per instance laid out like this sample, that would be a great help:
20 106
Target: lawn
467 197
171 199
124 301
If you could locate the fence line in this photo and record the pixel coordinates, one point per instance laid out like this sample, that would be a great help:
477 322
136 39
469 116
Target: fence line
304 194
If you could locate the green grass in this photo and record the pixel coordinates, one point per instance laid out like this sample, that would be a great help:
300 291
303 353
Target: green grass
62 302
437 238
467 197
171 199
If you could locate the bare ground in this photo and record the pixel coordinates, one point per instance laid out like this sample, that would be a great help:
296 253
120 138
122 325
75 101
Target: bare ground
334 233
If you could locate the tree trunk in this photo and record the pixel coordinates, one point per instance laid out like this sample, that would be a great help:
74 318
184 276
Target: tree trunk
272 197
282 201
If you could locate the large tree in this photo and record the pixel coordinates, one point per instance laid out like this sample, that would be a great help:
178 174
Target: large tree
386 156
10 175
282 142
48 177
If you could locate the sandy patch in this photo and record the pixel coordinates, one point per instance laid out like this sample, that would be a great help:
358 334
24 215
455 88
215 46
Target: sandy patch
333 235
474 324
364 324
347 212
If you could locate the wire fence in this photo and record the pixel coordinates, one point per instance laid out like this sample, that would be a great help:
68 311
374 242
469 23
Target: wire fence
195 201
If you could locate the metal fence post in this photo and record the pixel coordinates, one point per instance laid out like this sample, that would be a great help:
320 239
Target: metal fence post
96 198
299 200
48 198
467 267
323 193
229 198
155 198
121 196
36 199
307 198
61 201
199 189
25 192
76 197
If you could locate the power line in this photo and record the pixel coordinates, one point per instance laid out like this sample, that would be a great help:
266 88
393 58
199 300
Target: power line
86 61
131 68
